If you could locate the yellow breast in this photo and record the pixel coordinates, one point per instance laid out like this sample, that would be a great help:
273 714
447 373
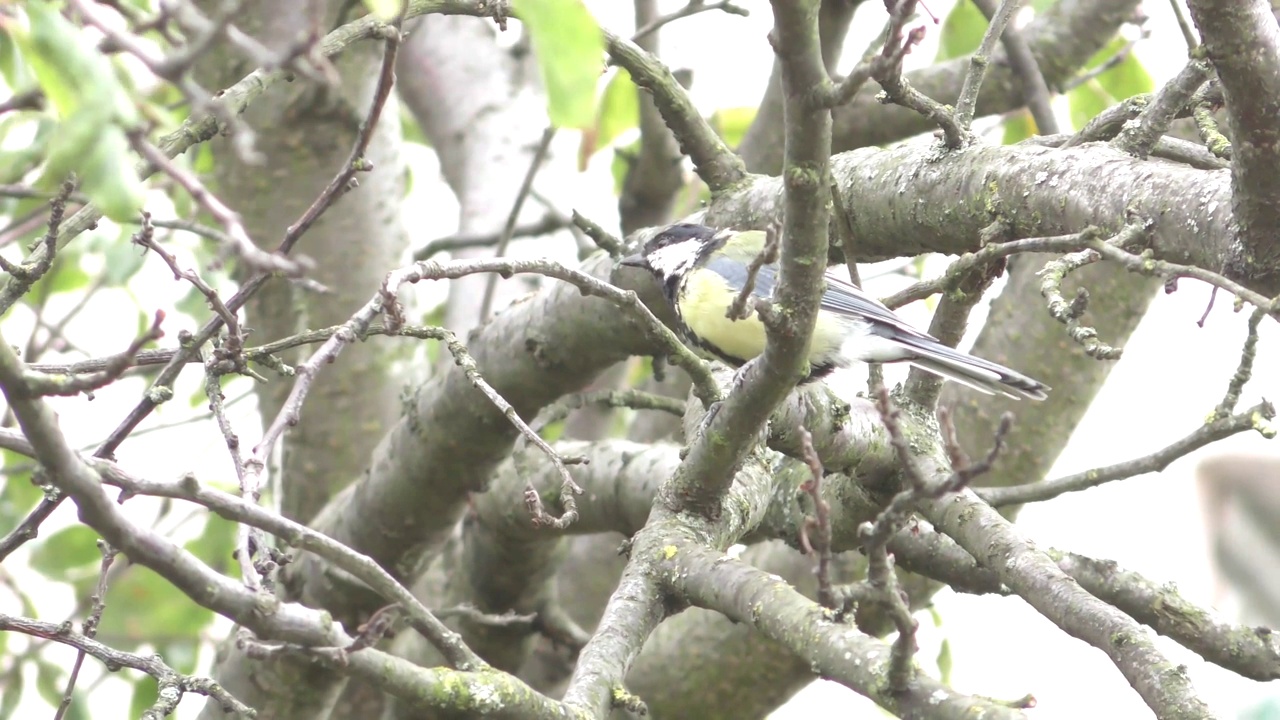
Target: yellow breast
704 302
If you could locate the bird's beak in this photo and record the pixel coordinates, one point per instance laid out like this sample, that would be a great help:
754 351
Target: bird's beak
636 260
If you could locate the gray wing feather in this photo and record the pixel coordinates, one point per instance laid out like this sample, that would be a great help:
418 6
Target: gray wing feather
845 298
841 297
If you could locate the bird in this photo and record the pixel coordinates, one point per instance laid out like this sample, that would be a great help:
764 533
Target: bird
703 270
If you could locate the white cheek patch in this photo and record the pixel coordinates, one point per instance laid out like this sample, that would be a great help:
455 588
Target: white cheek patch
674 259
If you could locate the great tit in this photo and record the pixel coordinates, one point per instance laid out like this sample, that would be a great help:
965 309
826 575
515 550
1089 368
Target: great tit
702 271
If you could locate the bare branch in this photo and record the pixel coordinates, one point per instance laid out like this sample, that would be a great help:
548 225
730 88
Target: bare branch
837 651
1255 418
768 255
173 685
716 164
967 102
692 8
486 305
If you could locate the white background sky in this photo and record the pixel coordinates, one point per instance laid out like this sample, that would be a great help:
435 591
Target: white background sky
1172 374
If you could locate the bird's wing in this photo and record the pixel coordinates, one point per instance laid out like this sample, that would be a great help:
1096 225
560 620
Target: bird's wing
841 296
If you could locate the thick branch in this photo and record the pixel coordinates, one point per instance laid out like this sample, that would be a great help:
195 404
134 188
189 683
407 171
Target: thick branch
708 579
1243 43
1033 576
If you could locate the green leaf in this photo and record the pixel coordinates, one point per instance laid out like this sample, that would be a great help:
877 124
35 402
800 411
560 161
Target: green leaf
1018 127
215 543
143 607
123 260
49 681
17 494
71 548
962 31
732 123
145 693
14 164
570 51
70 70
12 695
1085 102
1041 5
945 662
623 157
66 276
1126 79
14 71
384 9
108 177
619 108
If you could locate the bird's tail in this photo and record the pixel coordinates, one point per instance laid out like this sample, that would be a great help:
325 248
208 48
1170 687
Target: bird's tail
979 374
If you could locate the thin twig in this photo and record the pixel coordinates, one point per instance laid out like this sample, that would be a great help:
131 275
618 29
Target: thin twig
37 384
1244 371
298 536
241 244
1137 138
768 255
145 238
1068 312
821 521
1105 66
601 237
173 685
544 145
1255 418
33 270
355 163
692 8
967 101
548 224
98 605
882 583
1188 34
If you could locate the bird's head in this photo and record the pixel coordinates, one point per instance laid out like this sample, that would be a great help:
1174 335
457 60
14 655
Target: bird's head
675 250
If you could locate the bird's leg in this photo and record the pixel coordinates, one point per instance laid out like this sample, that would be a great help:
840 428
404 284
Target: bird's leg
740 376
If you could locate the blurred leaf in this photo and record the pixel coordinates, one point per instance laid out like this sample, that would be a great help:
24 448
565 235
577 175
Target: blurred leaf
384 9
143 607
1018 127
145 693
619 109
622 159
181 655
108 177
570 52
123 260
732 123
47 676
194 304
12 695
65 276
17 494
553 431
203 162
1126 79
16 163
962 31
70 70
14 71
1085 102
945 662
70 548
1041 5
410 129
215 543
83 88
